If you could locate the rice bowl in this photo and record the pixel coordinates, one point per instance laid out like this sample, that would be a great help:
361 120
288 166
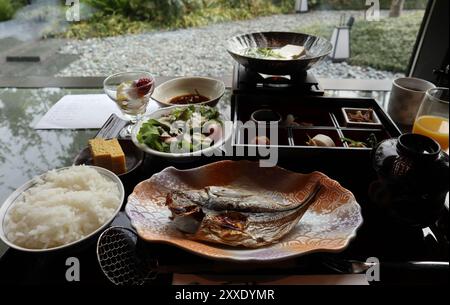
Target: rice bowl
60 208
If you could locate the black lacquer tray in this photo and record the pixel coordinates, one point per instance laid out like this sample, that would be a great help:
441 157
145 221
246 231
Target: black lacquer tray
319 115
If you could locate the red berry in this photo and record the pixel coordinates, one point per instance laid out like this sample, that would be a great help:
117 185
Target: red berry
144 85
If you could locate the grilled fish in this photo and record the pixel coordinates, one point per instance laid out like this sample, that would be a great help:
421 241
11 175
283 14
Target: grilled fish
222 216
223 199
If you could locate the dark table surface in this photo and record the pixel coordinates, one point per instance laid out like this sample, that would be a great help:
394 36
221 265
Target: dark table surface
26 153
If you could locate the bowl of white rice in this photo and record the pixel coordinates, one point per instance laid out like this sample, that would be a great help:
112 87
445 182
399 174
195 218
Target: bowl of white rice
60 208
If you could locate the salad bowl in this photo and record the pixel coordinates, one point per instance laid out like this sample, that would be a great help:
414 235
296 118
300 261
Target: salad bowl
164 121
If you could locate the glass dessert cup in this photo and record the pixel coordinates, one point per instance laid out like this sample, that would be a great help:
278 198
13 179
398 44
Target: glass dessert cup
131 91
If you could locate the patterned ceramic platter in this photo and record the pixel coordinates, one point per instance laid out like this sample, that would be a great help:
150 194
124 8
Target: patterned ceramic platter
328 226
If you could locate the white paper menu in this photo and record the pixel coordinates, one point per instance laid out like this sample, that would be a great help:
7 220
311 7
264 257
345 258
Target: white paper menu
89 111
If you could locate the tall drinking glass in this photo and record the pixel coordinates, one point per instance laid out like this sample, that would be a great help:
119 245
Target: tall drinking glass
432 118
131 91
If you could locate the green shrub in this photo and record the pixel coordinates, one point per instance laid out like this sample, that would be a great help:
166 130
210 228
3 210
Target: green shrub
360 4
6 10
17 4
166 11
112 16
121 17
385 45
101 26
161 11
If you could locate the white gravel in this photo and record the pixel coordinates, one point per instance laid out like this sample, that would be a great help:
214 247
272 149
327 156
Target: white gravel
196 51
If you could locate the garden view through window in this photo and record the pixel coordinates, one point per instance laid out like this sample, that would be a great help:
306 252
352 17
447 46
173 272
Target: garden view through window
56 38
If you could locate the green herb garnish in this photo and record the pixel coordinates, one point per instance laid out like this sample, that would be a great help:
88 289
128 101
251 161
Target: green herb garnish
371 142
263 53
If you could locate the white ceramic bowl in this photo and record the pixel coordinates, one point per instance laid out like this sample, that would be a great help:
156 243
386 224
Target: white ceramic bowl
226 132
211 88
17 194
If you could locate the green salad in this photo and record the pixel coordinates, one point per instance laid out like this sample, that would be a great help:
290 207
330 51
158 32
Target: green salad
183 130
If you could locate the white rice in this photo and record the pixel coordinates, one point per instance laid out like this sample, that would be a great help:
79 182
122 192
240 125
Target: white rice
62 208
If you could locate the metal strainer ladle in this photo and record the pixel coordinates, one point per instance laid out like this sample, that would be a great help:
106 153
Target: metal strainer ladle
126 264
119 260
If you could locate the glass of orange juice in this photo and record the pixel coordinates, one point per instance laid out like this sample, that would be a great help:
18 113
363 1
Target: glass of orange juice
432 118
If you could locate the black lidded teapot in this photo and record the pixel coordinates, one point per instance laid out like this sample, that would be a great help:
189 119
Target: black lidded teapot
413 180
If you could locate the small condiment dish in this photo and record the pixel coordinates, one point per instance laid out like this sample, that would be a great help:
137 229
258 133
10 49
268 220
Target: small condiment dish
266 116
374 120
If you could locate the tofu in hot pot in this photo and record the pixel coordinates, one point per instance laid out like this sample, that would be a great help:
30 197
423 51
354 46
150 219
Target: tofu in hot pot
291 51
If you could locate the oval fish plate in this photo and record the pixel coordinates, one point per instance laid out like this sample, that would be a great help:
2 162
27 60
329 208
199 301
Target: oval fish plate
328 226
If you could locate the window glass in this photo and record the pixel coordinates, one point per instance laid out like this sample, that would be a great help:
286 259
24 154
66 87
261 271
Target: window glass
188 37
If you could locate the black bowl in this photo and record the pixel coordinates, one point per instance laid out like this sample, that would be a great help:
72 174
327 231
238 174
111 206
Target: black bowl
318 49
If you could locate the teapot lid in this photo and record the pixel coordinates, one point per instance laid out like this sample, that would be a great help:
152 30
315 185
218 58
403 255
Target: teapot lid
417 146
